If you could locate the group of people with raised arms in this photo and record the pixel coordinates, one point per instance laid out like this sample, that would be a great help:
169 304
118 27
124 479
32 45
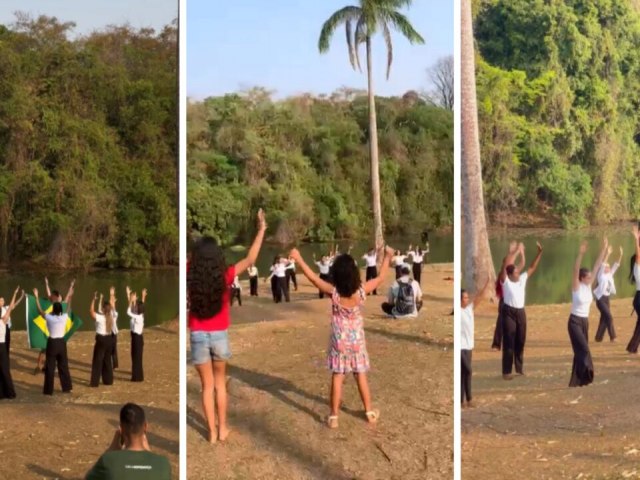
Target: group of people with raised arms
54 356
209 279
510 331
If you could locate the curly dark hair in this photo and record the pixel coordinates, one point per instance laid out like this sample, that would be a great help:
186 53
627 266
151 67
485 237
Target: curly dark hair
345 275
206 278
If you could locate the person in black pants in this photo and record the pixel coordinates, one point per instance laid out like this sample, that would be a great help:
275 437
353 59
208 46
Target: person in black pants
236 291
514 319
136 314
634 277
253 281
497 333
102 364
56 352
371 259
7 389
324 266
606 287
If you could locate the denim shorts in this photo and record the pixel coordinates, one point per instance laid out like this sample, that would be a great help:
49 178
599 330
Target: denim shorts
207 346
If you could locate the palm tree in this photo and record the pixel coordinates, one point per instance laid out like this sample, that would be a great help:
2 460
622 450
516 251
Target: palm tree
368 18
477 255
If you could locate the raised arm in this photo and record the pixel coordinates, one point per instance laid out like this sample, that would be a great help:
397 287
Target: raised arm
323 286
128 295
522 260
35 294
636 235
46 286
576 267
19 299
67 299
374 283
508 260
536 261
483 294
112 297
100 303
252 256
600 259
7 314
92 307
144 295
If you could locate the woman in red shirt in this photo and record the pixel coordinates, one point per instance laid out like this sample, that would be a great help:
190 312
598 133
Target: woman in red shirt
209 279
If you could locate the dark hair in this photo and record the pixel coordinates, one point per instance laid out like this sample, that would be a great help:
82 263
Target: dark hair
139 307
405 270
132 418
583 273
276 259
206 278
55 293
57 308
632 262
510 269
462 292
345 275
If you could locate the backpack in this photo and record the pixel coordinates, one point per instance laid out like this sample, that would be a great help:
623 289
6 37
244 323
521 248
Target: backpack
405 302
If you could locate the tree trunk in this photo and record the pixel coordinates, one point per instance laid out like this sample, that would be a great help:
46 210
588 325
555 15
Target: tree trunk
477 255
378 236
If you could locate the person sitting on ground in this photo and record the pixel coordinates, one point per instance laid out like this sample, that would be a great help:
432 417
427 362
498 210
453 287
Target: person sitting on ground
129 456
405 297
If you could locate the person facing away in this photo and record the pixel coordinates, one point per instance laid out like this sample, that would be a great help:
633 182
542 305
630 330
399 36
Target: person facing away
405 297
129 456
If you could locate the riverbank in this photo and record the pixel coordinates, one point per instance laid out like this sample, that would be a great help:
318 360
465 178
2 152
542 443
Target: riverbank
278 387
62 436
536 426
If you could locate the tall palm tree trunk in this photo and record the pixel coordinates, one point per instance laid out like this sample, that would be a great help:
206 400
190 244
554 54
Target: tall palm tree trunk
477 255
378 236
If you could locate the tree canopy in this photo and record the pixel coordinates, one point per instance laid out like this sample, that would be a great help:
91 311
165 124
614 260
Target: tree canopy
558 96
305 160
88 145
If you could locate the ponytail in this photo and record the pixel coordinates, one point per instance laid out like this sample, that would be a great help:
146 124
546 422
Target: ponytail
632 263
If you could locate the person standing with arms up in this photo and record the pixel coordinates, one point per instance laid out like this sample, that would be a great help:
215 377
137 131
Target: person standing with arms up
324 267
56 352
253 280
371 259
417 257
497 333
606 287
514 320
634 277
6 382
102 365
135 311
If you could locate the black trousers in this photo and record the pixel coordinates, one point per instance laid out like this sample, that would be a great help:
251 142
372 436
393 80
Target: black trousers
514 336
56 355
6 382
465 374
398 271
7 341
253 286
114 352
291 278
327 278
497 333
236 293
102 364
632 347
281 289
372 272
582 369
606 319
417 271
137 348
274 288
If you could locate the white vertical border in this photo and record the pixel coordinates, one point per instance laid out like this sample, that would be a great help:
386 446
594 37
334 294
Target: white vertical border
182 186
457 245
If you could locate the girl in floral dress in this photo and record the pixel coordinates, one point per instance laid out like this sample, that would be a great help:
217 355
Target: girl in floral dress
347 348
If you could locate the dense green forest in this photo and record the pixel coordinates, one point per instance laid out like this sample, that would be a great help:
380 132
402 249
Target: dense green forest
88 145
305 160
558 99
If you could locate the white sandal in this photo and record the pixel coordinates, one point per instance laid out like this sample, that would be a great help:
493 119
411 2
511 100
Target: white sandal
373 415
332 421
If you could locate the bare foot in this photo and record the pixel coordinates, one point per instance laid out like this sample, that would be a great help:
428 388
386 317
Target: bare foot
212 437
373 415
223 433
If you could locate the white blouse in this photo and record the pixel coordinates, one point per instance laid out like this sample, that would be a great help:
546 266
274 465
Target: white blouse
324 267
101 323
372 260
513 293
253 271
636 274
3 310
56 324
136 321
581 301
466 328
278 270
3 332
606 285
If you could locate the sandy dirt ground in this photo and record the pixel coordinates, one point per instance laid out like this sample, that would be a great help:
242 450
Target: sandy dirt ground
536 426
61 437
279 388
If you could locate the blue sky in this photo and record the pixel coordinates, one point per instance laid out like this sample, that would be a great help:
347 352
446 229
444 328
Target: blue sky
92 15
235 45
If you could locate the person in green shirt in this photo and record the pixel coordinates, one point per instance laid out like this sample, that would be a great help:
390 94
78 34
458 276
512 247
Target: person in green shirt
129 456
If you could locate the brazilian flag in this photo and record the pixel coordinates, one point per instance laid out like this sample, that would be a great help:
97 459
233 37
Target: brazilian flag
37 331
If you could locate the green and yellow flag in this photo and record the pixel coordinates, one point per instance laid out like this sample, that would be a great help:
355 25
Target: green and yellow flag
37 331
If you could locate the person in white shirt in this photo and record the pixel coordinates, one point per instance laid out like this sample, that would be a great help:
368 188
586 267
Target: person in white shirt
7 389
398 261
582 372
324 266
135 310
467 338
634 277
606 287
105 318
290 272
405 297
278 279
56 352
253 280
236 291
3 309
514 317
417 258
371 260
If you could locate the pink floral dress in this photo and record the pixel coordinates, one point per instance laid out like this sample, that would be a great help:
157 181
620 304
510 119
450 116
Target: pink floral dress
347 347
